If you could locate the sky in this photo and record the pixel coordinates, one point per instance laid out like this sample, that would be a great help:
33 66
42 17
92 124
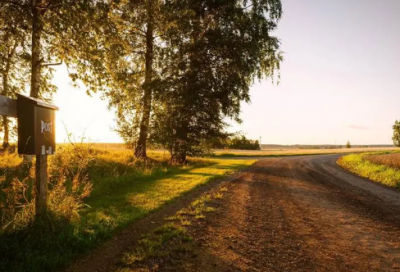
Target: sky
340 81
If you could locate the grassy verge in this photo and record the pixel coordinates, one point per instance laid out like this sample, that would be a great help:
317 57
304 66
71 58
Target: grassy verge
124 190
360 165
169 244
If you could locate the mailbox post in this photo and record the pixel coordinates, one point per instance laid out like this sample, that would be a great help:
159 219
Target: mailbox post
36 136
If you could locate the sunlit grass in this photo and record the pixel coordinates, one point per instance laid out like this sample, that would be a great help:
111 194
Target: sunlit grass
124 189
121 199
360 165
169 242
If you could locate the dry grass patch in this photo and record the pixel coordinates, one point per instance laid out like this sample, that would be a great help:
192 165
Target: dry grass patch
391 160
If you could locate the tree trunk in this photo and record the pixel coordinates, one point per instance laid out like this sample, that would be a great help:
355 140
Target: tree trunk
140 151
38 11
182 143
6 72
37 28
6 137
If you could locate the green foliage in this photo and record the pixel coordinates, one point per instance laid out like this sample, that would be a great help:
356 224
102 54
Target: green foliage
233 142
240 142
396 133
358 164
174 70
210 66
190 62
348 145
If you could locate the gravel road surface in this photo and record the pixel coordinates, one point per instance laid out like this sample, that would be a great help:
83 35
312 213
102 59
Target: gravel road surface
301 213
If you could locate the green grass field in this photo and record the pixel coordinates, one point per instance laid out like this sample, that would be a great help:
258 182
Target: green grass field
123 190
366 166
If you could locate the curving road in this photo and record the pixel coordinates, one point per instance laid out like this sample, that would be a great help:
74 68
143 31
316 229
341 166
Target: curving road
301 214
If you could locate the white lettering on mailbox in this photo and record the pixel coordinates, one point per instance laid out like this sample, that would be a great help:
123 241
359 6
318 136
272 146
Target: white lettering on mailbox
46 127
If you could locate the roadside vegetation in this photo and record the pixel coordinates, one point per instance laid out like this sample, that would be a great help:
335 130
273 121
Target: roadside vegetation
93 193
383 167
168 245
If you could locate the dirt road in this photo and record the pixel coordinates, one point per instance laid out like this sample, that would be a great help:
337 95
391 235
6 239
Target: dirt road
289 214
300 214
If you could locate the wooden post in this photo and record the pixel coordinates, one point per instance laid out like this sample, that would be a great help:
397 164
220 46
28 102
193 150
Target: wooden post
35 133
41 185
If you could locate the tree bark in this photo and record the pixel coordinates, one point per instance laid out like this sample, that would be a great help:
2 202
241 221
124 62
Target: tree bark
182 145
38 11
36 64
6 136
5 75
141 147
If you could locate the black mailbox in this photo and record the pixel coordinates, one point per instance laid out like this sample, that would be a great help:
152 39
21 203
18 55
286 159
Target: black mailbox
36 126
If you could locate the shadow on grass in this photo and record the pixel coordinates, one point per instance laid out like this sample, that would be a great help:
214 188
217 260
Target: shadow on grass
44 245
122 193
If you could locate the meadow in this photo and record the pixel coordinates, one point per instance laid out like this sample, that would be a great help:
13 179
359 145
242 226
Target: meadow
94 192
289 151
383 167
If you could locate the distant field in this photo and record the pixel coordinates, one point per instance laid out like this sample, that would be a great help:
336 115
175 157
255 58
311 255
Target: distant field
292 151
269 151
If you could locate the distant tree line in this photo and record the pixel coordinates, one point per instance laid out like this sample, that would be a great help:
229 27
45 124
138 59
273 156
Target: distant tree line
174 70
237 141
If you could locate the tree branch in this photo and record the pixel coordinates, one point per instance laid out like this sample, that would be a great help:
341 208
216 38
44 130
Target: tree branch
12 3
51 64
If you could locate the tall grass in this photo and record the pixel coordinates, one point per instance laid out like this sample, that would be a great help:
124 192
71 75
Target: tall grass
365 165
93 193
391 160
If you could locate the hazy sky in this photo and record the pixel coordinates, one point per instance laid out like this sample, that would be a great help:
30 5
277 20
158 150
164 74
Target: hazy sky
340 80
